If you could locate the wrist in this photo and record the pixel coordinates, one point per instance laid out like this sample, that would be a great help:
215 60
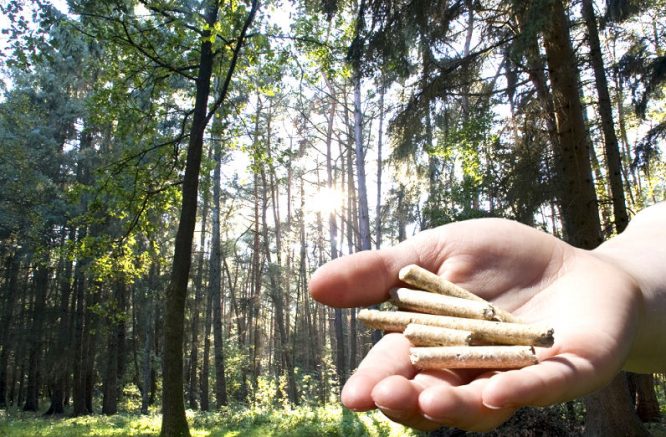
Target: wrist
638 255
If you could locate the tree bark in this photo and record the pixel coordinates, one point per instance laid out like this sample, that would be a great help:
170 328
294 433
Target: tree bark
356 57
215 283
78 350
576 187
645 397
196 305
41 282
115 353
609 411
579 203
11 283
148 332
205 361
59 354
380 165
174 423
613 159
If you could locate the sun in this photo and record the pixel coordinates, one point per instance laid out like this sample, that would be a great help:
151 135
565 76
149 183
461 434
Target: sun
324 201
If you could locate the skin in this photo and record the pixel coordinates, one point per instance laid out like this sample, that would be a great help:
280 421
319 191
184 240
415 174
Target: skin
607 306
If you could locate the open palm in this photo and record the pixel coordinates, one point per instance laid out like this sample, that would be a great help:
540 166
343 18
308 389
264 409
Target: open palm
588 300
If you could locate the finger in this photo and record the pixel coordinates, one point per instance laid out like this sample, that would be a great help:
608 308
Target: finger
398 398
554 380
364 278
462 406
390 356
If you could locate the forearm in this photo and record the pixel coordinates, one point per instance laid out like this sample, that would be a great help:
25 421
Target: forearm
641 252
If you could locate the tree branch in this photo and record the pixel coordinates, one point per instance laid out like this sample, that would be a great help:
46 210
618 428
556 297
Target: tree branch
234 60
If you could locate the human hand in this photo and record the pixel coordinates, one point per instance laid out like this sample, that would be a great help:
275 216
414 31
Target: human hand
592 304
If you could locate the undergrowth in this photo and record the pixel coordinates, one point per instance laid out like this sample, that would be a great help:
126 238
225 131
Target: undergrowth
288 422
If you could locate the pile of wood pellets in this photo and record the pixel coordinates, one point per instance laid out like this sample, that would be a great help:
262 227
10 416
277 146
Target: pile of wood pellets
452 328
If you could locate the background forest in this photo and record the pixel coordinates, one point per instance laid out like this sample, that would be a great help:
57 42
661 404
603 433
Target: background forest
172 173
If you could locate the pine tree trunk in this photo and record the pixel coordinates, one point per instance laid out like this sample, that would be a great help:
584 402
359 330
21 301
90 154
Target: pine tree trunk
90 347
59 356
645 397
205 361
363 212
78 383
82 317
613 159
380 166
9 302
609 412
148 332
253 309
110 387
275 269
196 305
340 360
356 54
36 331
579 204
574 172
115 363
215 283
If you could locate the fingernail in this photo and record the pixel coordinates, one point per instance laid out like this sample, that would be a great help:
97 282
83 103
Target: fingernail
439 420
394 414
496 407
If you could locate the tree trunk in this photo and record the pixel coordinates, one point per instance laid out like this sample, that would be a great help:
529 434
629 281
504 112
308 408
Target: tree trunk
363 212
609 412
356 52
90 346
82 317
78 350
380 166
59 355
41 282
215 283
275 269
196 305
174 423
576 187
205 364
645 397
11 285
115 358
340 360
148 332
579 204
613 159
110 388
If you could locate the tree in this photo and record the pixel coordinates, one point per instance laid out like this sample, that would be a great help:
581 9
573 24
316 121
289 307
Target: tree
215 281
174 422
579 204
613 161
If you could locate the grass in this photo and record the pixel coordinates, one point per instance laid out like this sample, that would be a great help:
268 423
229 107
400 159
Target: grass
331 420
298 422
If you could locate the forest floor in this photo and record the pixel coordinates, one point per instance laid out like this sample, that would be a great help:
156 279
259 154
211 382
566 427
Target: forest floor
331 420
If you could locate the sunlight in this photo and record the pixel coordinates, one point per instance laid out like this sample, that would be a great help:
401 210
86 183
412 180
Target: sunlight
324 201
